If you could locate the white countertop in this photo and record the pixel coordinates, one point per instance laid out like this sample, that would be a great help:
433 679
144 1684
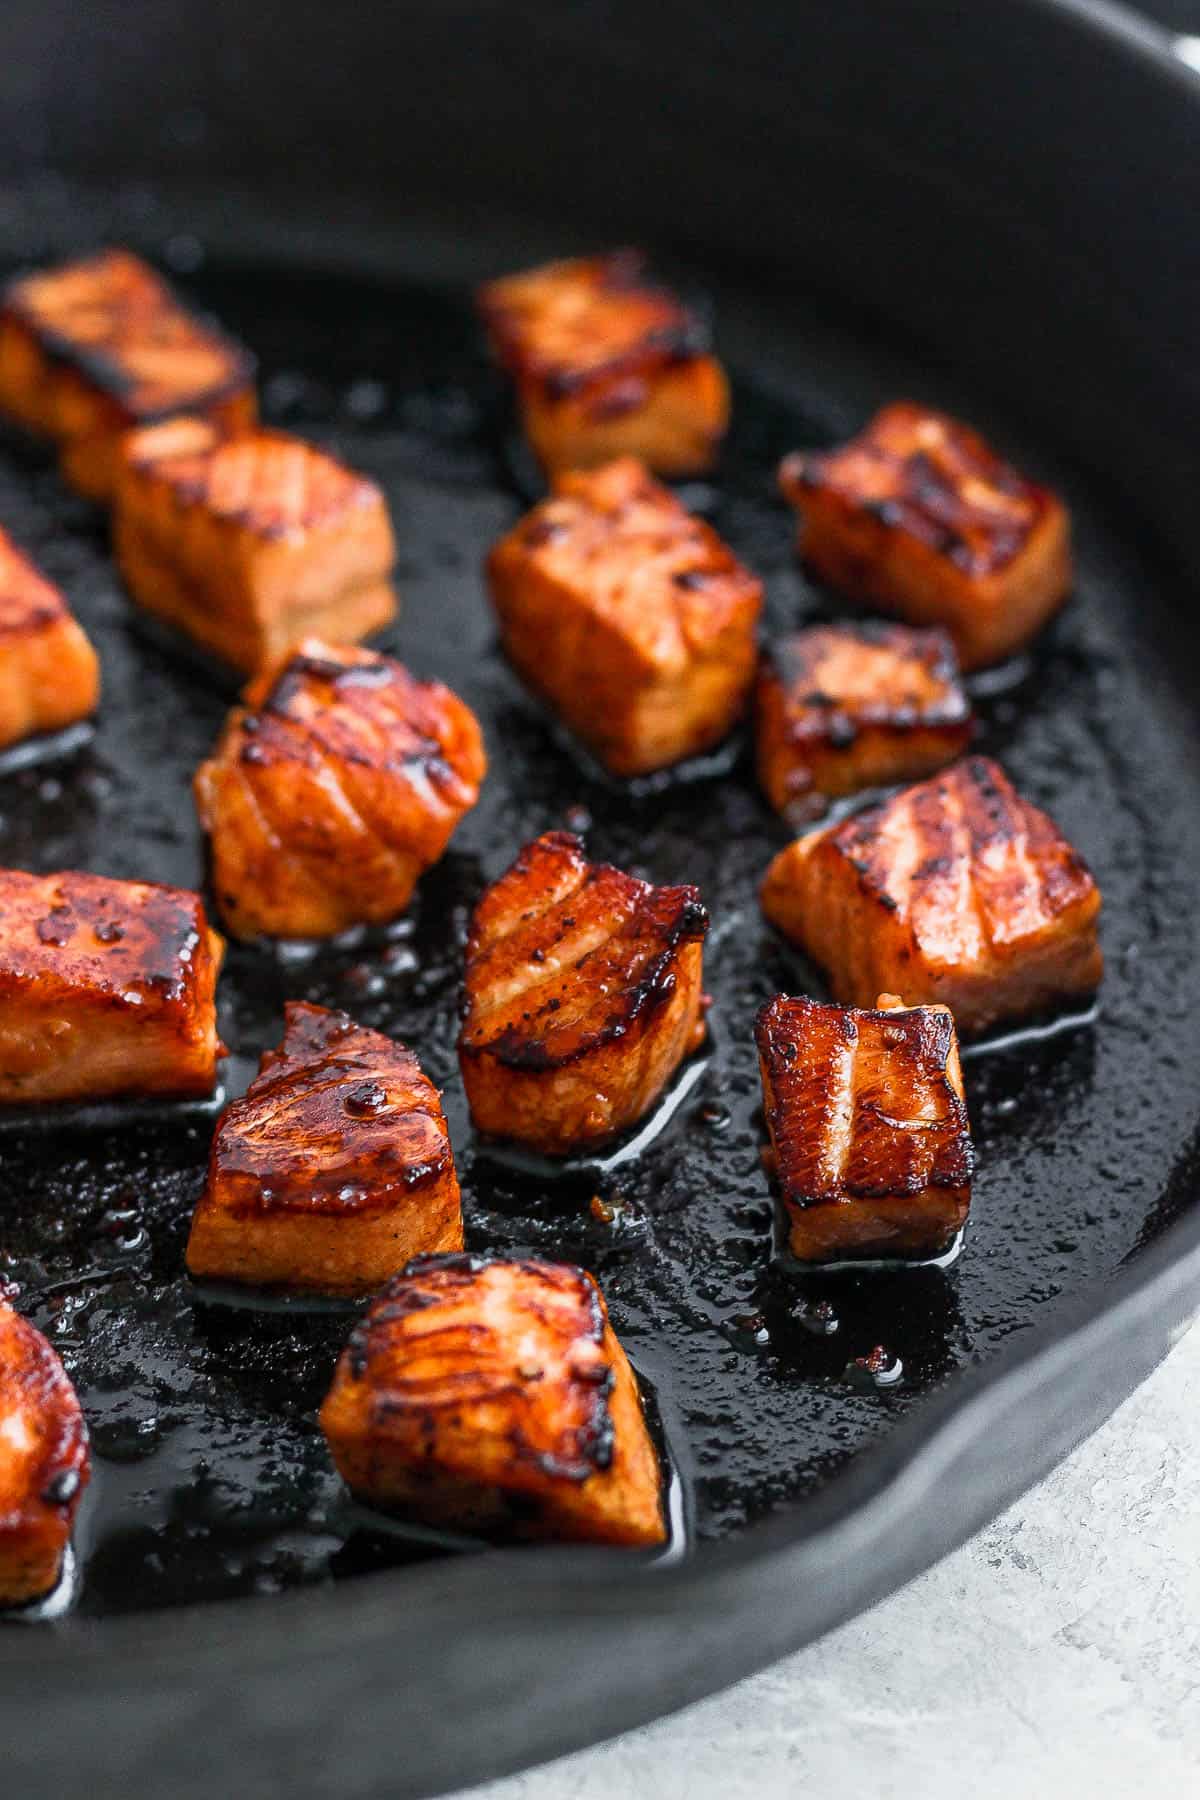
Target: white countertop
1057 1654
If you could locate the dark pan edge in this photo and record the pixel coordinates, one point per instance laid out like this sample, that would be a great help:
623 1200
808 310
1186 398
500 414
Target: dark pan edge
969 1447
628 1646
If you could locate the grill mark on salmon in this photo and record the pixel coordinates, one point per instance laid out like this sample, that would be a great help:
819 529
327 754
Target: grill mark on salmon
956 890
493 1394
334 786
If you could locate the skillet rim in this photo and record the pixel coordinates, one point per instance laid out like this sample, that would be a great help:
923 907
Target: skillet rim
1138 1307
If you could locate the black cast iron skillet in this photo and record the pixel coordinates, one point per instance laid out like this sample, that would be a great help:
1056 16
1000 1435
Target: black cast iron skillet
993 207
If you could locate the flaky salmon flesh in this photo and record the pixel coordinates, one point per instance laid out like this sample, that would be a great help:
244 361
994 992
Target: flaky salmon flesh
919 516
956 891
839 708
44 1461
491 1395
870 1142
336 783
333 1171
49 672
107 990
607 363
582 996
629 616
95 346
247 544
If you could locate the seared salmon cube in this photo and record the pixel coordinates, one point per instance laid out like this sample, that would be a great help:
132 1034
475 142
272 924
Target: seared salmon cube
955 892
334 1171
844 707
870 1142
107 990
629 616
920 516
486 1395
582 996
93 347
248 544
607 363
44 1461
49 672
336 783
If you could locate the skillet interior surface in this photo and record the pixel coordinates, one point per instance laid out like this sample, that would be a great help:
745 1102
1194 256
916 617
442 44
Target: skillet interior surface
211 1478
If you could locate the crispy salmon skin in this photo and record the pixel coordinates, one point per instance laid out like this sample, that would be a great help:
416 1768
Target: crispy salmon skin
44 1461
629 616
491 1395
956 891
870 1141
247 544
844 707
93 347
607 363
335 1169
920 516
49 672
335 784
107 990
582 996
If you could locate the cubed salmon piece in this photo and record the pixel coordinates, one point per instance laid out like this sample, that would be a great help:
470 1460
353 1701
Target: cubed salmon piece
487 1395
336 783
956 892
870 1141
44 1461
49 672
629 616
248 544
582 996
334 1171
920 516
844 707
607 363
91 348
107 990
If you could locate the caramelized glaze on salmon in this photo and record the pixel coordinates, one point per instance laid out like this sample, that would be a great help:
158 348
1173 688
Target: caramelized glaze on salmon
844 707
107 990
606 363
869 1135
494 1396
44 1461
919 515
247 544
92 347
955 891
49 672
629 615
582 997
333 787
335 1169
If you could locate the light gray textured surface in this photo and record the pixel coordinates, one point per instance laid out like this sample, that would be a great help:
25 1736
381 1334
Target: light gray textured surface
1056 1654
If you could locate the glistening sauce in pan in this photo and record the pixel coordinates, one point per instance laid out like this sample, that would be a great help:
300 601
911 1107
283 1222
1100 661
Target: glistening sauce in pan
211 1476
